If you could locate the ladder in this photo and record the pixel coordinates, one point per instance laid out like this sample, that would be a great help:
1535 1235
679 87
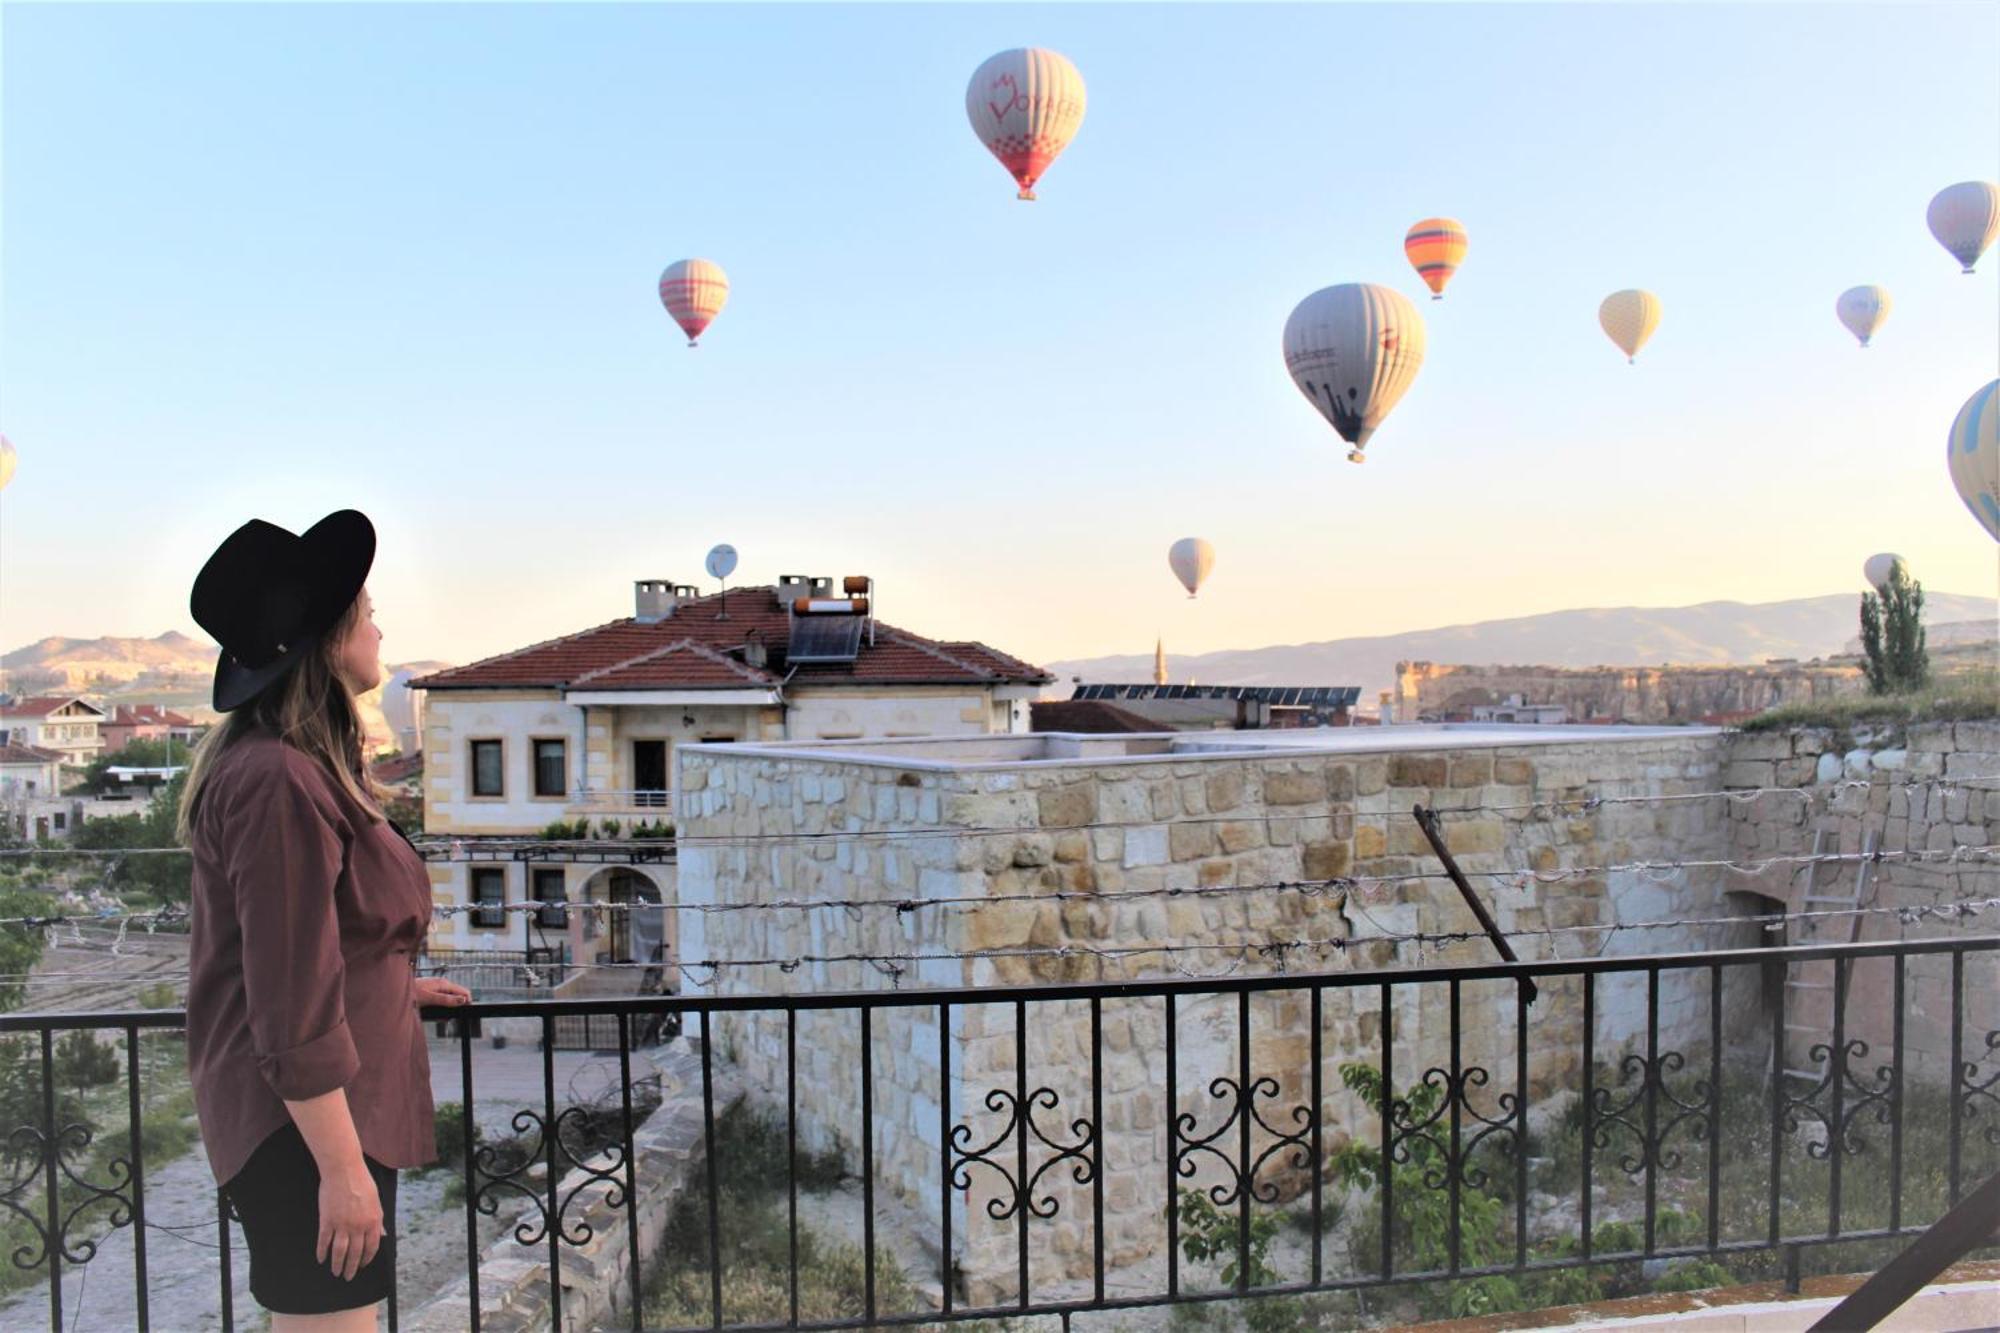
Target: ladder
1810 986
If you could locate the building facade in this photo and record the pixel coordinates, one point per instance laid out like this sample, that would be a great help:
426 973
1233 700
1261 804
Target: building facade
146 722
574 740
65 724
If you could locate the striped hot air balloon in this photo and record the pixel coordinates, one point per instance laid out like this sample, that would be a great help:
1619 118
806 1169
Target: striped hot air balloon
1965 218
694 292
1629 318
1436 247
1354 350
1973 453
1863 310
1025 105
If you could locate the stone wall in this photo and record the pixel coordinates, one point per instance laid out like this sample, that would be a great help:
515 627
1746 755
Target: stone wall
1653 695
1934 787
1039 845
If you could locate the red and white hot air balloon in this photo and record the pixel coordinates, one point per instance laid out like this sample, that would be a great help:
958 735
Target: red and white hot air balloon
694 292
1025 105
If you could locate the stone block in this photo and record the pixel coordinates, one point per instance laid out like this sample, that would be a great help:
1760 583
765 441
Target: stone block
1326 860
1294 788
1418 770
1829 769
1513 772
1370 841
1215 872
1471 770
1240 836
1031 852
1067 807
1145 847
1371 777
1072 847
1749 773
1858 763
999 926
1224 791
1340 782
1190 842
1759 745
1475 835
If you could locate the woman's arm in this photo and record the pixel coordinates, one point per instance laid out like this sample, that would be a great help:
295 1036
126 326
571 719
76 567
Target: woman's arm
350 1207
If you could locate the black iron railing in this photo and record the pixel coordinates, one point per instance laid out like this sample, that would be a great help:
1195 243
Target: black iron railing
1421 1146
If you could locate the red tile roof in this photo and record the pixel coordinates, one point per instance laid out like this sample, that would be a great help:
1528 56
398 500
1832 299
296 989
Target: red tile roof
28 754
401 768
147 715
694 649
42 706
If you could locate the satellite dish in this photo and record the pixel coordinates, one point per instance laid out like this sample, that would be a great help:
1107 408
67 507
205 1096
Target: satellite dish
722 561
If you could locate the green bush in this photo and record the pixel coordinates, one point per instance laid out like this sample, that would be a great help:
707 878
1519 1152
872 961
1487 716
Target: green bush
82 1061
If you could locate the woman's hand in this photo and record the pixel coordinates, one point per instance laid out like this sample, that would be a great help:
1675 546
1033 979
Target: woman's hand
438 991
350 1220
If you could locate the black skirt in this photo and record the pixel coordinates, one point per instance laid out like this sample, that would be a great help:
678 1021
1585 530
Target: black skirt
276 1195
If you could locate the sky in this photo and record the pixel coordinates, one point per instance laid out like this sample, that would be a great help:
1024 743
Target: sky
273 260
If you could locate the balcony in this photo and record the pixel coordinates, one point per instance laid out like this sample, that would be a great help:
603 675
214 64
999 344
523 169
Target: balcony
1333 1148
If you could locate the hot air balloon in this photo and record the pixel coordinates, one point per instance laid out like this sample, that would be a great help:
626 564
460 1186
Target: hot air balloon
694 292
1965 217
1863 310
1353 350
1191 558
1974 456
1025 105
1629 318
1436 247
7 461
1879 569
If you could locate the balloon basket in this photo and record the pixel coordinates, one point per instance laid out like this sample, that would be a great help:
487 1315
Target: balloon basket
1356 456
1028 196
693 343
1437 296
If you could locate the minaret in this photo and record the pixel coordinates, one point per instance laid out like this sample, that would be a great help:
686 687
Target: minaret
1159 662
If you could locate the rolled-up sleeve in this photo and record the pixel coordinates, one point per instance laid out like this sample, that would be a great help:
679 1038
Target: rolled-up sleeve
287 863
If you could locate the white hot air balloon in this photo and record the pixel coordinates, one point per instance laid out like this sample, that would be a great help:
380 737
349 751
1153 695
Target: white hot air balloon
1973 452
694 292
1191 558
1025 105
1879 569
1354 350
7 461
1863 310
1628 318
1965 218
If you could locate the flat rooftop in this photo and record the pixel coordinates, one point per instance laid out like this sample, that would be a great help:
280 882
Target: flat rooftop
1056 747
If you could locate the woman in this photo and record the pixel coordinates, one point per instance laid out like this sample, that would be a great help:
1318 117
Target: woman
311 1077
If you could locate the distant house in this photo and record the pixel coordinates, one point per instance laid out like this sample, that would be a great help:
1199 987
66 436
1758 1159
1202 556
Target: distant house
1516 710
402 774
146 722
63 723
28 772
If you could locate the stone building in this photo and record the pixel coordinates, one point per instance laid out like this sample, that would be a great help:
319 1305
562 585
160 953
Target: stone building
1040 843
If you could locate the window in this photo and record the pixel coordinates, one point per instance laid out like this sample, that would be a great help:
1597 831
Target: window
649 773
62 821
551 768
487 775
489 891
549 889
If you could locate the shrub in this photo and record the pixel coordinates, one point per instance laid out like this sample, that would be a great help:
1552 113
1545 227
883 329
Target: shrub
82 1061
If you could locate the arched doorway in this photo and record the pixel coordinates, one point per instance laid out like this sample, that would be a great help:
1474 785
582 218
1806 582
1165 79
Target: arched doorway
639 929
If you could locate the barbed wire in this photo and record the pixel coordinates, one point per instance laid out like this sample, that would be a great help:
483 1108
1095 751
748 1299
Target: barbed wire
460 849
1519 877
702 971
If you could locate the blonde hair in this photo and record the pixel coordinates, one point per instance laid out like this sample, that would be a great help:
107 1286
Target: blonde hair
311 709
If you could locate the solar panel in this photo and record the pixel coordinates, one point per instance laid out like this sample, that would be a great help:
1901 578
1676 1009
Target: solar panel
827 638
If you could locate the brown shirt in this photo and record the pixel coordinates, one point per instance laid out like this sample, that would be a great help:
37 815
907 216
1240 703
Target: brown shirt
306 917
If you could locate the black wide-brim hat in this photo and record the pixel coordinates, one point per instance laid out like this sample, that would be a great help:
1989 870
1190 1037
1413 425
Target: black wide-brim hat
268 596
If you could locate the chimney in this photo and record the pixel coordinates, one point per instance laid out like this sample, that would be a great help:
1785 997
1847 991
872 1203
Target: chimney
791 587
754 652
654 600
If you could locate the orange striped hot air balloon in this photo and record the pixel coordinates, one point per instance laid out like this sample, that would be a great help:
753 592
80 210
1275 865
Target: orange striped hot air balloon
1436 247
694 292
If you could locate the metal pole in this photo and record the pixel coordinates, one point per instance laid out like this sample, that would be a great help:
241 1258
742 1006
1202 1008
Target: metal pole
1427 821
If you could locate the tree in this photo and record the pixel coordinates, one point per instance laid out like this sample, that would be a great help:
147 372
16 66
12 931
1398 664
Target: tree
1892 635
164 878
20 946
139 753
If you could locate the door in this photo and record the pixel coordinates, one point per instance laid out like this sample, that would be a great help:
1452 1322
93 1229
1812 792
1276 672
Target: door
649 773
